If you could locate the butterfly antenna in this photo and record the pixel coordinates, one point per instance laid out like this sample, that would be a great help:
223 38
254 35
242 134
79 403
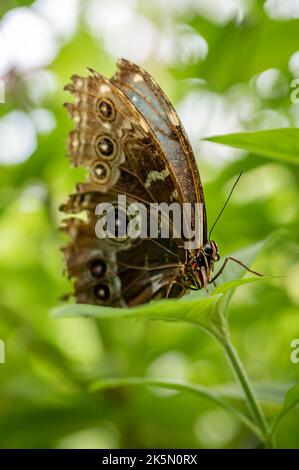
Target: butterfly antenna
225 204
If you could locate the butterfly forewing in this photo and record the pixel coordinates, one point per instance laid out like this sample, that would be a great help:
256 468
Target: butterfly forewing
153 104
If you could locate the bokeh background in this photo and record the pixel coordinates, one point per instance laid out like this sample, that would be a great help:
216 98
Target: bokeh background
226 66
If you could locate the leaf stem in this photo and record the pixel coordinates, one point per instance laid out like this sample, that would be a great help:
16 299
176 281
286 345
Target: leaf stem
252 401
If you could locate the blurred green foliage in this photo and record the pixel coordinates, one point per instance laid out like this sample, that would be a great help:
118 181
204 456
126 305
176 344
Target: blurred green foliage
45 400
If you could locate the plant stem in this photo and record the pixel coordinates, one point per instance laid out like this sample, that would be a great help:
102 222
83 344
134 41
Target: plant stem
252 401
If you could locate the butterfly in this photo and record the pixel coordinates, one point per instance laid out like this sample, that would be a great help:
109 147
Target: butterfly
132 142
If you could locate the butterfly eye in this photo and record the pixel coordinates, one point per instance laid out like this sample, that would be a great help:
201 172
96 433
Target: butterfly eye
98 268
208 249
101 292
101 172
105 109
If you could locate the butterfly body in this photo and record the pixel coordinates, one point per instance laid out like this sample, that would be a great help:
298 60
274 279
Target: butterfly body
132 143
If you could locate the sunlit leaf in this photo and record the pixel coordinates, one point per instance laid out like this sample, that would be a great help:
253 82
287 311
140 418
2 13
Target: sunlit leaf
196 311
278 144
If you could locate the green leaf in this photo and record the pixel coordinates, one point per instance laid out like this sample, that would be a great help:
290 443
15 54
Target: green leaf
230 279
290 401
191 310
179 386
235 271
229 286
269 392
278 144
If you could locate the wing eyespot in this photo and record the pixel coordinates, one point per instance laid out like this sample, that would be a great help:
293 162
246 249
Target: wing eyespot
105 147
101 292
105 109
98 268
101 172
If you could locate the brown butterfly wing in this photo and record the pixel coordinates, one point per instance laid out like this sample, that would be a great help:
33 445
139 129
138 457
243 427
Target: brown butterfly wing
123 156
154 105
129 274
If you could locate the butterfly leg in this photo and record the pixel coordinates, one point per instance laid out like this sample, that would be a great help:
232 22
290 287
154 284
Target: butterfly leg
230 258
205 279
169 289
173 282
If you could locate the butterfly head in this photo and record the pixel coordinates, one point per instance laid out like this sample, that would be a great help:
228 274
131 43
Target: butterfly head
210 251
202 264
